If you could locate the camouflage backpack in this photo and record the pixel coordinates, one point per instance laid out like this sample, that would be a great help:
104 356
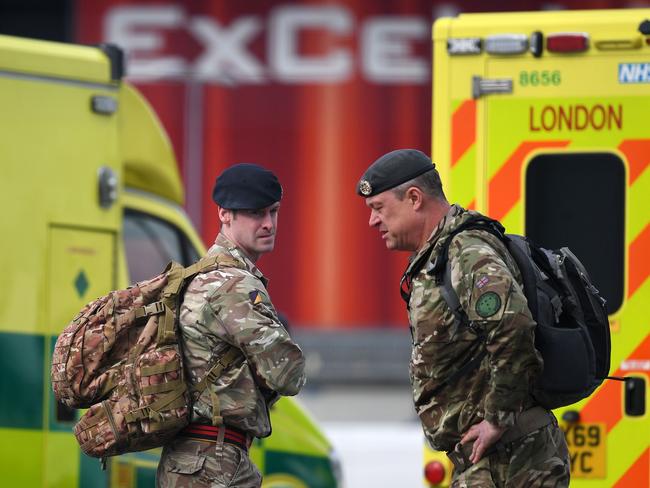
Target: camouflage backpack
121 357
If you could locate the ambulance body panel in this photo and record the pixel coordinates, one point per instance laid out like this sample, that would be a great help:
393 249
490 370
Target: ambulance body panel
540 121
91 197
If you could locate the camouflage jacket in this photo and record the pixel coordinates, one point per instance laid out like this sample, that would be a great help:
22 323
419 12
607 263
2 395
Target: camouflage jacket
487 282
231 307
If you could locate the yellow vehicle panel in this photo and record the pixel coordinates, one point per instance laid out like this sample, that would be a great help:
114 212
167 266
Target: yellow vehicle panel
84 154
571 127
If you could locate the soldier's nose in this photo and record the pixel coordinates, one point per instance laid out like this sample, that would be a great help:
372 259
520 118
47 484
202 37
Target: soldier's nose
374 220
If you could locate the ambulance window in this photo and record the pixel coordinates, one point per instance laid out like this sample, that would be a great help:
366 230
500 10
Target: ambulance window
578 200
150 243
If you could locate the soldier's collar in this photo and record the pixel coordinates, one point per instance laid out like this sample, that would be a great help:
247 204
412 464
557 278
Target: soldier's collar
443 228
222 243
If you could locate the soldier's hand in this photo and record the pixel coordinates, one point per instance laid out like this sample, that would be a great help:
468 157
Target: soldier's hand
484 434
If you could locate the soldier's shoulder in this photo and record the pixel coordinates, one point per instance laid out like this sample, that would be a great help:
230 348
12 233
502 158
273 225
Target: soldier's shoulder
476 249
475 241
237 280
210 282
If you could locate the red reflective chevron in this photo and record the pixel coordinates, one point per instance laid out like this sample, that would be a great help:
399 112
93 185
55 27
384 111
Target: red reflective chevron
463 130
505 186
637 152
638 475
639 267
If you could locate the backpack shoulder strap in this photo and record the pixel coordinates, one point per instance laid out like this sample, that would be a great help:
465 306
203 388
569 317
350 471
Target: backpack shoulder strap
441 271
208 262
450 297
440 263
476 223
211 376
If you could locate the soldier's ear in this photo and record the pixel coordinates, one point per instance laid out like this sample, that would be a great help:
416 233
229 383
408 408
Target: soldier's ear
415 196
225 215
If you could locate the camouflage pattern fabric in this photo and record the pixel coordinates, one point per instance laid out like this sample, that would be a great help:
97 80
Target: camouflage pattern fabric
231 307
487 283
97 337
114 358
189 463
539 460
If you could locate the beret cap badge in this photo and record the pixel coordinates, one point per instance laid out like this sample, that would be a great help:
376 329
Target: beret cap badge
365 187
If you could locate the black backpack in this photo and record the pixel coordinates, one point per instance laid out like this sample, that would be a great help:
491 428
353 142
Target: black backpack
572 332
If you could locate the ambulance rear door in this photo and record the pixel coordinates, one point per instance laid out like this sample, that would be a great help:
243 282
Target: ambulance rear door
565 145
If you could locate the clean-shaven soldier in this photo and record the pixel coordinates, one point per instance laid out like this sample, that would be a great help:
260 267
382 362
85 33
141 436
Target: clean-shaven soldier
487 420
229 309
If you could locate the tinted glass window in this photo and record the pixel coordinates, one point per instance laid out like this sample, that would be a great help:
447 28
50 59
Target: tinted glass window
578 200
150 243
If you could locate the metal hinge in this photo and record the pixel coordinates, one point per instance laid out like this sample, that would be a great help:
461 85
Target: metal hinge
482 86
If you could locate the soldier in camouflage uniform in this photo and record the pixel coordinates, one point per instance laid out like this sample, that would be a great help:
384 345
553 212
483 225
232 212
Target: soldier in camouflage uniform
225 309
486 420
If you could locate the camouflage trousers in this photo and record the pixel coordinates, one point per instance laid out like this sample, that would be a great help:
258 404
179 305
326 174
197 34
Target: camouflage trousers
540 459
189 463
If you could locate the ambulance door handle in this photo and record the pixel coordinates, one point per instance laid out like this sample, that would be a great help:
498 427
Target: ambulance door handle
484 86
634 396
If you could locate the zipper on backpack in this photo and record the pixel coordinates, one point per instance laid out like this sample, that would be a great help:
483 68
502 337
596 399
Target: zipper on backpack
111 421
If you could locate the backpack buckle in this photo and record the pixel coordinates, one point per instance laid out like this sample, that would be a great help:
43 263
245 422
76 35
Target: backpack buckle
215 372
212 376
151 309
477 330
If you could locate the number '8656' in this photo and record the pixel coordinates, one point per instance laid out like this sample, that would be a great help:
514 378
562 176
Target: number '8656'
540 78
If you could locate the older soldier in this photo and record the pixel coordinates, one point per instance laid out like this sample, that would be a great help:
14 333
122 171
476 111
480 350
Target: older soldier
485 418
227 317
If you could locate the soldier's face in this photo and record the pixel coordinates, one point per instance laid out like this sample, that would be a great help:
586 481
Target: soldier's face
395 220
253 230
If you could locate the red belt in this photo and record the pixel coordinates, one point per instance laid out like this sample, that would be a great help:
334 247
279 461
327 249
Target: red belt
210 433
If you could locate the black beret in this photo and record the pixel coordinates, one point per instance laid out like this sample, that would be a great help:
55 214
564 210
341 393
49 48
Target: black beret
246 186
393 169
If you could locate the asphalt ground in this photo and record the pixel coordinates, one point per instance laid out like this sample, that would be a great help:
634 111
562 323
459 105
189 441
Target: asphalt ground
375 433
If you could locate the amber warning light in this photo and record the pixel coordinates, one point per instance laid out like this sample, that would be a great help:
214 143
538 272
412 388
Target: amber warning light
434 472
567 42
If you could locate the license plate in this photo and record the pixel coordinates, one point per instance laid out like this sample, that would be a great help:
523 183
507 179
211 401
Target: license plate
586 443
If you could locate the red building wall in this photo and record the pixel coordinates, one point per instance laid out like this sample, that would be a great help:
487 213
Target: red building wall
315 91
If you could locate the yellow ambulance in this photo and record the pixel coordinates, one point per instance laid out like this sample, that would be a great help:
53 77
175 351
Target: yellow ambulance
91 201
542 120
